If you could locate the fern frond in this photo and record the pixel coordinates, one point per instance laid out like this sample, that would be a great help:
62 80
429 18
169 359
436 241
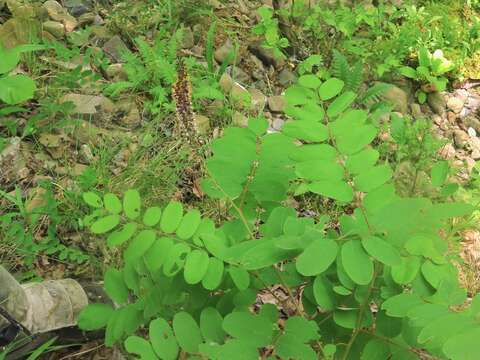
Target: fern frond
340 66
373 94
355 78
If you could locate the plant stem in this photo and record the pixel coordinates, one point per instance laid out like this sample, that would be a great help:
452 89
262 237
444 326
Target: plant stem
361 312
289 290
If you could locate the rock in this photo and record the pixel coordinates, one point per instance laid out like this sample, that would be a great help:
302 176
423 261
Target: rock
286 77
455 104
18 31
461 139
115 47
471 131
437 103
55 28
127 113
222 53
258 100
226 83
276 103
13 166
187 41
240 96
57 13
277 124
78 7
89 104
87 19
36 198
447 152
239 119
398 98
238 74
472 122
201 124
266 55
116 72
416 110
258 71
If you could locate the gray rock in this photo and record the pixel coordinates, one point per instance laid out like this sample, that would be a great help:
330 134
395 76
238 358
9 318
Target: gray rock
286 77
238 74
223 52
201 124
55 28
455 104
437 103
240 96
258 71
473 122
116 72
277 124
115 47
258 100
266 55
461 139
416 111
398 98
127 113
226 83
78 7
239 119
187 41
57 13
89 104
276 103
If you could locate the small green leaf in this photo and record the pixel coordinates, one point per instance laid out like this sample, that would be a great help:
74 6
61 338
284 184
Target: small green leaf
373 178
375 350
112 203
196 266
309 81
94 316
115 286
140 346
157 254
338 190
211 325
214 275
15 89
309 263
324 296
439 173
189 224
251 329
117 238
341 103
407 270
187 332
175 259
162 339
171 218
356 262
330 88
381 250
306 130
152 215
105 224
240 277
400 305
139 246
92 200
302 329
362 162
132 204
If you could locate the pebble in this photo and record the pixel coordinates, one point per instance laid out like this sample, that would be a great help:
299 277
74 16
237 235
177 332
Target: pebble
239 119
258 100
276 103
437 103
115 47
55 28
223 52
398 98
455 104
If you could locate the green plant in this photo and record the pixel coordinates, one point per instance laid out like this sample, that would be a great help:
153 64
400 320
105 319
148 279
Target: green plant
15 89
268 27
429 72
31 229
378 282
